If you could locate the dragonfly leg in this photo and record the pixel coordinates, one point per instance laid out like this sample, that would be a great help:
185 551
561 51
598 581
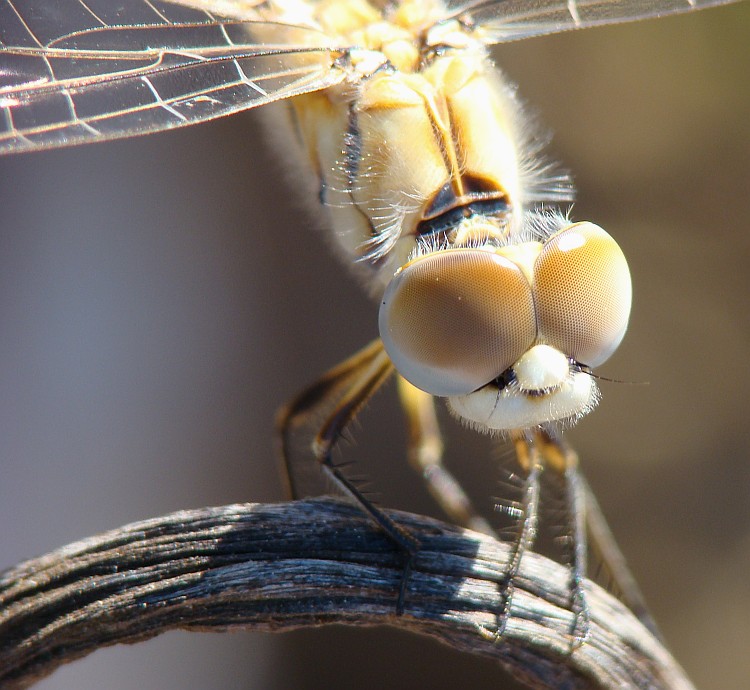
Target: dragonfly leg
527 514
576 504
352 383
585 519
562 459
425 454
313 404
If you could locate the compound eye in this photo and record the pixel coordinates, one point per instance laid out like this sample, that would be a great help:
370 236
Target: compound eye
583 293
453 321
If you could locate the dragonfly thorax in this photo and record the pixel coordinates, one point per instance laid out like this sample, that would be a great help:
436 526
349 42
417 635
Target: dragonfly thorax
405 149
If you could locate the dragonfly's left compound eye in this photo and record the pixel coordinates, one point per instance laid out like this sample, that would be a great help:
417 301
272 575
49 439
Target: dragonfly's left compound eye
454 320
583 293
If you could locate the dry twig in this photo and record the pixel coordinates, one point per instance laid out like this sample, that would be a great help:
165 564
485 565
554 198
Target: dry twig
278 567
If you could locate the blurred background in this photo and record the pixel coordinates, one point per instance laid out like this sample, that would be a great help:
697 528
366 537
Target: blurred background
161 297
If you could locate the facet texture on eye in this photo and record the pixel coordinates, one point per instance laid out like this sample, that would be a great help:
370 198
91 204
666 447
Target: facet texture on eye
454 320
583 293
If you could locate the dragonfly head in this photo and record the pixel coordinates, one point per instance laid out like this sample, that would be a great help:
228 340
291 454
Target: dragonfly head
510 334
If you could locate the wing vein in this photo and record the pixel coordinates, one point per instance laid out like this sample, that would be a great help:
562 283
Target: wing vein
24 23
92 13
157 12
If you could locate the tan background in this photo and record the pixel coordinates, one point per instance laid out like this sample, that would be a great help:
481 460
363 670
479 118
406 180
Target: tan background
157 304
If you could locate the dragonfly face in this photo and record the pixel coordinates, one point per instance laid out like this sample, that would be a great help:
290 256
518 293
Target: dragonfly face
508 334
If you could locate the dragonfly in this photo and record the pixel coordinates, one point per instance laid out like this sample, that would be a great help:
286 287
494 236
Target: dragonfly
437 193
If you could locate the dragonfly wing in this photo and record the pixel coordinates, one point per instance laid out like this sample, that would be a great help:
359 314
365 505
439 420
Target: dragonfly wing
500 21
71 72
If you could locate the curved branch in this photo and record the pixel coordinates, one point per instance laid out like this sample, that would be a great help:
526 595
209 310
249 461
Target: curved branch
284 566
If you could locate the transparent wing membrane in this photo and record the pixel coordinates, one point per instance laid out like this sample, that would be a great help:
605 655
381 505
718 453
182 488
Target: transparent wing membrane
72 72
500 21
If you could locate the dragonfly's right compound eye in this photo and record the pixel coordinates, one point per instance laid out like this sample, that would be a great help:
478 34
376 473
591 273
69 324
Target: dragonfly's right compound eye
453 321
